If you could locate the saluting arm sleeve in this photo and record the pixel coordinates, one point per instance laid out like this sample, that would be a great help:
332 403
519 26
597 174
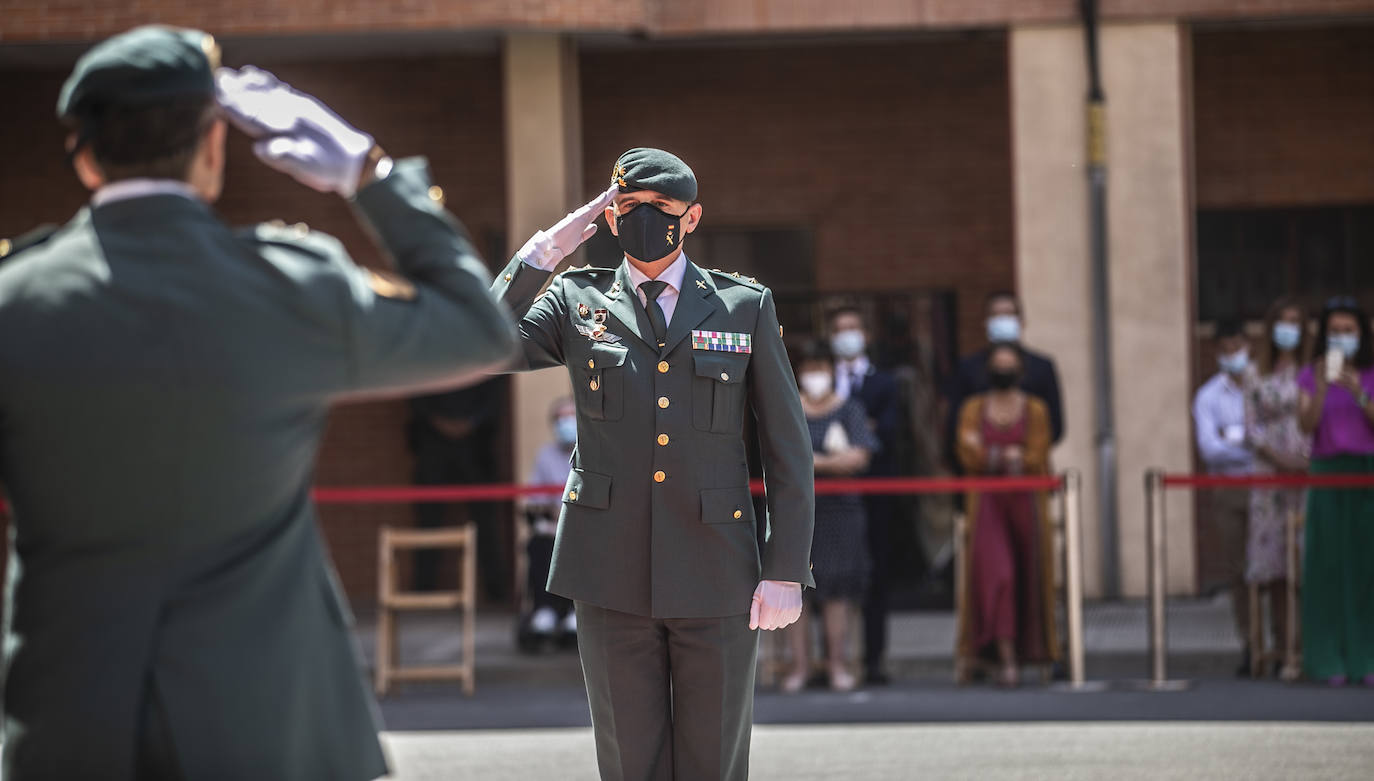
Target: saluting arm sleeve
785 446
437 321
540 318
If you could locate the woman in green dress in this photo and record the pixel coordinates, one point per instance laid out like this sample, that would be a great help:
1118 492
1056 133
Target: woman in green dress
1334 405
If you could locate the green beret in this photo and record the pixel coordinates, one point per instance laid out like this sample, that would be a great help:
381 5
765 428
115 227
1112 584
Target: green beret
654 169
142 66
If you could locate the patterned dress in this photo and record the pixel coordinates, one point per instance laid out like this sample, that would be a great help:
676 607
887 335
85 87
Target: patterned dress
1271 418
839 547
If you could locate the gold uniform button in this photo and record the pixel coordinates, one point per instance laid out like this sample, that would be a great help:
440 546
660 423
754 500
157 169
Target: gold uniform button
594 385
724 377
739 514
5 247
662 367
591 363
659 476
436 194
572 496
508 277
663 440
663 402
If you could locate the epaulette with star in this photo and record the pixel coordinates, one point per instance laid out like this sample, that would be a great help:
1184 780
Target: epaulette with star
738 278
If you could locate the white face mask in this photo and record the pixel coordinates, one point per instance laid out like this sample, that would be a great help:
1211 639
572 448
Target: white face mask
848 344
1004 328
816 385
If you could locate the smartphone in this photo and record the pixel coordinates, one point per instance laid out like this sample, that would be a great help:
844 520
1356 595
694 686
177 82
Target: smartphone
1335 361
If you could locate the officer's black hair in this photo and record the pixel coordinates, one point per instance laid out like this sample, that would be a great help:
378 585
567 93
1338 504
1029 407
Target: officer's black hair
157 141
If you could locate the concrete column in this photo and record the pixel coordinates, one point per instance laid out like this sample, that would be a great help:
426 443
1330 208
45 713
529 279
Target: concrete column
1146 70
543 140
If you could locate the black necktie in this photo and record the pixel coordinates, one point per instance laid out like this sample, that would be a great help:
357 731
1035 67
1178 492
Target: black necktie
652 290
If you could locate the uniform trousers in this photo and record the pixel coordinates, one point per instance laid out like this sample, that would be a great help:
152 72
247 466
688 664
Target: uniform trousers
671 698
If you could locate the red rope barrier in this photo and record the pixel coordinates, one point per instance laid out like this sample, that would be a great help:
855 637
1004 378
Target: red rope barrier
1292 480
388 494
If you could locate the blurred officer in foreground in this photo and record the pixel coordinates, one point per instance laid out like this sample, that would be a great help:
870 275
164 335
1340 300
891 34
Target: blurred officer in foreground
656 544
172 610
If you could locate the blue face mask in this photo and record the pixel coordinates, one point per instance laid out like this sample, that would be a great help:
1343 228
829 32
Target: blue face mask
1287 336
1348 344
1234 363
1004 328
565 429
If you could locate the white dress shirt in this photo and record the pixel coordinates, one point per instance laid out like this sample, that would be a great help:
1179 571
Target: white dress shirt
126 189
845 372
667 300
1219 415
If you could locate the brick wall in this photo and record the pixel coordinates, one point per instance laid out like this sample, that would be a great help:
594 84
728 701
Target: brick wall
447 109
898 155
1284 117
36 20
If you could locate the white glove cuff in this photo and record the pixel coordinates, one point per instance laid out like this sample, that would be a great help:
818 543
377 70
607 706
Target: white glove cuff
355 145
541 252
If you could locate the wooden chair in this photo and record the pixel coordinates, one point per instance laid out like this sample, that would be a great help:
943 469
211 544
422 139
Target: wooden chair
390 600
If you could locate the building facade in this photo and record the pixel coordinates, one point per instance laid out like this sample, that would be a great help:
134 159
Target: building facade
924 154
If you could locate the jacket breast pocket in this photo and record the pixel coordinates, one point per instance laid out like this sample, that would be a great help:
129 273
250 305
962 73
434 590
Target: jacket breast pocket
599 381
727 505
718 391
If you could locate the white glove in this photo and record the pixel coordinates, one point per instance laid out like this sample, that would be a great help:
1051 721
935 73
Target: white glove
546 249
297 134
777 603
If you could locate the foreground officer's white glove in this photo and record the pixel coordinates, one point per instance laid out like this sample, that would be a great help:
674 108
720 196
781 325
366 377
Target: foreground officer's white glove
776 604
296 134
546 249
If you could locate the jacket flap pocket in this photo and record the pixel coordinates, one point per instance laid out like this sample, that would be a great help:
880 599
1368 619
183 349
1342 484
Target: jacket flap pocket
727 505
721 367
607 355
588 489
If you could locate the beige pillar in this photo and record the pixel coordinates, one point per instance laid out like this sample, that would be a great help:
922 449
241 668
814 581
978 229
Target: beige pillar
1145 74
543 138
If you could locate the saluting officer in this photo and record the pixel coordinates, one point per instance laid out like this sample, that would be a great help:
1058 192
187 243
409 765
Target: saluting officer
656 544
164 383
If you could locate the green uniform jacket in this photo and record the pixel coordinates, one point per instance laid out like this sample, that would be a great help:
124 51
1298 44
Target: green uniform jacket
164 383
657 518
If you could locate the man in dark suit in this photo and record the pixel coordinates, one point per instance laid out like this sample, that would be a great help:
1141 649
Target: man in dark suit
656 544
164 386
1038 376
878 392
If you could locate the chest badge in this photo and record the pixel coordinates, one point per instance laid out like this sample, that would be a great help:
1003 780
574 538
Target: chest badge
583 311
722 341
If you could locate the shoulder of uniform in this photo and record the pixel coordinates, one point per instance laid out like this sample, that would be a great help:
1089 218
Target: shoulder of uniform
588 274
11 247
735 277
297 236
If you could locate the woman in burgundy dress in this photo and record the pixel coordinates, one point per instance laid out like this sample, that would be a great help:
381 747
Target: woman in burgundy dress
1008 595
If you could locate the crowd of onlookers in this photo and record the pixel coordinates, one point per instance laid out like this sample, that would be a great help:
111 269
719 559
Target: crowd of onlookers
1296 400
1301 404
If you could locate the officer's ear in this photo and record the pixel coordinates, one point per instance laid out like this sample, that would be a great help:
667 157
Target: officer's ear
691 219
83 162
610 218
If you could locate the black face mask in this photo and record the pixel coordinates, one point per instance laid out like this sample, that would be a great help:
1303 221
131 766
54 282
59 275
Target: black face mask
648 233
1001 381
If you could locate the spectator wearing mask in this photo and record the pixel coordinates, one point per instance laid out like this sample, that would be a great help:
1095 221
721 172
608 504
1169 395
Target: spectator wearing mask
1038 376
551 617
1008 606
1338 581
877 391
1219 420
843 446
1279 444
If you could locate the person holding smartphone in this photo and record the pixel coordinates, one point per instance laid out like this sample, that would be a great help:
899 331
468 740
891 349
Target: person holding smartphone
1335 407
